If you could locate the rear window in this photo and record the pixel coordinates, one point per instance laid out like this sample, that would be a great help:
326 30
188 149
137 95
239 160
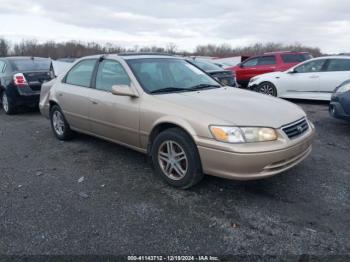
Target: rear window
31 64
295 58
206 66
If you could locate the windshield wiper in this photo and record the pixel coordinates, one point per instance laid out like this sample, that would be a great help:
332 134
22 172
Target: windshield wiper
203 86
169 89
176 89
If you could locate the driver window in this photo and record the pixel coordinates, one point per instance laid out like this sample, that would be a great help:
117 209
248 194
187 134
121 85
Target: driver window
310 67
111 73
251 62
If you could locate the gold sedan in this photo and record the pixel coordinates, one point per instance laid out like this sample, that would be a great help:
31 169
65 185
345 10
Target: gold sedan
186 122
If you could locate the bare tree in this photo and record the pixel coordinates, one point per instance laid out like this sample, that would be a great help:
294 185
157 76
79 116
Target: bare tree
171 48
78 49
255 49
4 47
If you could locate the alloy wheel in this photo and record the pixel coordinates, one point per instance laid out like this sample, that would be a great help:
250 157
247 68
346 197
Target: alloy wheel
58 123
172 160
5 103
266 89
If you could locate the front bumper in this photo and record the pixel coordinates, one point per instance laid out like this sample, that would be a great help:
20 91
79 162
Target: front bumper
336 108
255 165
252 86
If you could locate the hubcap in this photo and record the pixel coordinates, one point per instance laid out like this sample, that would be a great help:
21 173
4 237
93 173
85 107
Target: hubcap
5 103
266 89
58 123
172 160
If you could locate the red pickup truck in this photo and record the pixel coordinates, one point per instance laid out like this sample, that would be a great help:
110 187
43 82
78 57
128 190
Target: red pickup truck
266 63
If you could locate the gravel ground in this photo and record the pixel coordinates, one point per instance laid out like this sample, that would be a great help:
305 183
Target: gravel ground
120 207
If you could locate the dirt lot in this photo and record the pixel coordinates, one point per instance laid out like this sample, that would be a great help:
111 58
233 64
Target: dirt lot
122 208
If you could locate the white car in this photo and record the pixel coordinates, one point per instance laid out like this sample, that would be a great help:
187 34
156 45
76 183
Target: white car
313 79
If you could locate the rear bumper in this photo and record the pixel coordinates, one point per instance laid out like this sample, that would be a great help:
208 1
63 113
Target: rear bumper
27 100
249 166
18 99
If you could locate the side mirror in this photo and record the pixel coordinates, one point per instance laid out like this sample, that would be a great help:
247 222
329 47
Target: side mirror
292 71
123 90
240 65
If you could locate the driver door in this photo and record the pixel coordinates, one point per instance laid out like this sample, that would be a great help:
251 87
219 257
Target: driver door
303 80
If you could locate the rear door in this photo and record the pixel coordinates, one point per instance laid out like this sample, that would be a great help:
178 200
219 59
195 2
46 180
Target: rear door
336 72
114 117
74 94
266 64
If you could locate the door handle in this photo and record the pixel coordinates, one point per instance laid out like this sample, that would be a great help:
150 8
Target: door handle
93 102
60 94
314 76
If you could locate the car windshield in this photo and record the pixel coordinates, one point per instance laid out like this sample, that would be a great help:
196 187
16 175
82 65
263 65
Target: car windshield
31 64
169 75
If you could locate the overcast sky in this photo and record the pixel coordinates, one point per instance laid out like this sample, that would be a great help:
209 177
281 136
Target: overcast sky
187 23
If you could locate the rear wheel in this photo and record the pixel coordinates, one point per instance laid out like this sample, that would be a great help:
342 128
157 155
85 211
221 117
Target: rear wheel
59 124
175 158
8 107
267 88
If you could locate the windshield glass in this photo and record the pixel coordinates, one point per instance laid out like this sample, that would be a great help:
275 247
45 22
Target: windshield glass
30 64
165 73
206 66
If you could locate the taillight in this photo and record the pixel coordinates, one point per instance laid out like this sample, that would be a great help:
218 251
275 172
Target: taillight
20 80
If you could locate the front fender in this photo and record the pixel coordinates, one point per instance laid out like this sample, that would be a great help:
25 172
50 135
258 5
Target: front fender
182 123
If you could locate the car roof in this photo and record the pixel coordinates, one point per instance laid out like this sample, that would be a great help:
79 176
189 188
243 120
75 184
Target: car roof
332 56
284 52
129 56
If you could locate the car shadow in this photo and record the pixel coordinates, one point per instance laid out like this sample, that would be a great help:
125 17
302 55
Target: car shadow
308 102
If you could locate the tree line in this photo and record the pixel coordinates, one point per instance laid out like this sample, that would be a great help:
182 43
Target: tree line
78 49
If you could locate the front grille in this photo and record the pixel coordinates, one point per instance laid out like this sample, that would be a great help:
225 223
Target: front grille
296 129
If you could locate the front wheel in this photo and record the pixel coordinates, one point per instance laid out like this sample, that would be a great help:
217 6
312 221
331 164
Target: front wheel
175 158
7 106
59 124
266 88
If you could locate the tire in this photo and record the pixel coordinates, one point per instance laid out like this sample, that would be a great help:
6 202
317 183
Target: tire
185 169
7 105
266 88
59 124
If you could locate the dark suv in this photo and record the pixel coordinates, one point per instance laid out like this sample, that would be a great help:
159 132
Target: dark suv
21 79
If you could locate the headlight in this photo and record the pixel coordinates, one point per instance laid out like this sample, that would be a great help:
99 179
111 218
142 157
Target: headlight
243 134
343 88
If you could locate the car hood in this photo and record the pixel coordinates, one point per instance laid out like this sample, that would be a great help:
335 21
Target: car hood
238 107
270 75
